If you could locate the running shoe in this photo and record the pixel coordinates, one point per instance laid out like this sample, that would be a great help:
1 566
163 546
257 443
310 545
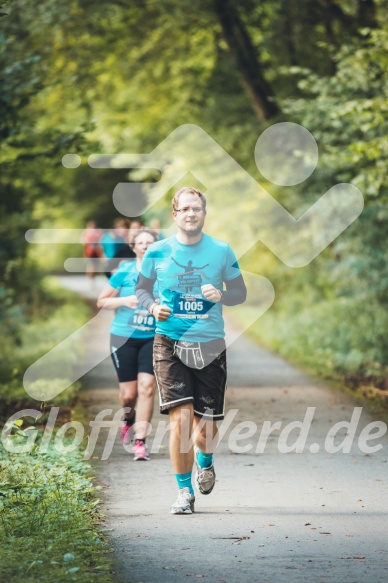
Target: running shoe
205 478
126 433
184 504
140 451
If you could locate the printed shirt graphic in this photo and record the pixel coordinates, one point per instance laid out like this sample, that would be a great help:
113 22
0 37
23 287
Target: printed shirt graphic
180 271
138 323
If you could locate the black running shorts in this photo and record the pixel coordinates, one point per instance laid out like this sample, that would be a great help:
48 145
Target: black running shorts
188 372
131 356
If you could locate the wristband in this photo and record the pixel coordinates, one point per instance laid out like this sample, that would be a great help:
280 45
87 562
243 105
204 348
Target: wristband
221 294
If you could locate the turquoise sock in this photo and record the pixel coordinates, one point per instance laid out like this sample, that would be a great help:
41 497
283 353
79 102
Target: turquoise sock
184 481
205 460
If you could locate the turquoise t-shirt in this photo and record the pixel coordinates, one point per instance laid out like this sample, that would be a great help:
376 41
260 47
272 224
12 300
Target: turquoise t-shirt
180 271
111 244
135 323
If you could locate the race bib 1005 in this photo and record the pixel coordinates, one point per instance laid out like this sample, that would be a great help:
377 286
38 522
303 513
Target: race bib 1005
191 306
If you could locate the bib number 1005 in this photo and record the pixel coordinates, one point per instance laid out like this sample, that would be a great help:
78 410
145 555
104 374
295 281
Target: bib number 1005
191 305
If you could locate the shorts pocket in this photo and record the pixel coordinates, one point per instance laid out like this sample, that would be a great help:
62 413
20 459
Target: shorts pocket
161 352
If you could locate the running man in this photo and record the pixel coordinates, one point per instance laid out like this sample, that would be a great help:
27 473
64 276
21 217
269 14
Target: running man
132 334
189 345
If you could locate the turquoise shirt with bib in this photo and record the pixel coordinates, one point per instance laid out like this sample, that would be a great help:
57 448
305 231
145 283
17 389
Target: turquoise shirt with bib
180 271
128 322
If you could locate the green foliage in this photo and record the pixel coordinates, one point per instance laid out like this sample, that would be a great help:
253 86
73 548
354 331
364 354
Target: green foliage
331 316
348 115
344 338
90 77
49 522
64 313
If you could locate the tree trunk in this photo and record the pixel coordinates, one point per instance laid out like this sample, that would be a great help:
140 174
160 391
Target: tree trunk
243 51
366 13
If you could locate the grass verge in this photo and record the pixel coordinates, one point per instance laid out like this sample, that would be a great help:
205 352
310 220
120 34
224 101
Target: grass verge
63 313
49 518
334 347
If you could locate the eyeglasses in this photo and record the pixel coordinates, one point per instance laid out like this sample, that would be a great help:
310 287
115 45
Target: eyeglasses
196 209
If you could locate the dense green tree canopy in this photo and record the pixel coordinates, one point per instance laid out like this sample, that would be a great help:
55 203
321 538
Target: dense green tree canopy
85 77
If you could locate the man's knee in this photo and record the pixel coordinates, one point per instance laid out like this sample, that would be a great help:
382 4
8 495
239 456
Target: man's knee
181 420
181 416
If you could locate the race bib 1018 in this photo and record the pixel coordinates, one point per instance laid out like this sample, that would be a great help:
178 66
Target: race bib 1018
142 320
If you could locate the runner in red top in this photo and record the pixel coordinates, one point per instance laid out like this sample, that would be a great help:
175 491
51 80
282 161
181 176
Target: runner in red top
92 250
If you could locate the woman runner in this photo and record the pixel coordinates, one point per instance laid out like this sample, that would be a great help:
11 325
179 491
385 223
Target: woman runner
132 335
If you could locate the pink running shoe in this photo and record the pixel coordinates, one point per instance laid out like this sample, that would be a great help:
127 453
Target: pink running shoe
140 451
126 433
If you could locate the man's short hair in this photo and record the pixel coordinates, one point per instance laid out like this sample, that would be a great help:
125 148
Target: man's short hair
187 190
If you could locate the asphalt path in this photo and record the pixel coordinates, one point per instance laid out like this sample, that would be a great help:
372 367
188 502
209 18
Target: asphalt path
275 515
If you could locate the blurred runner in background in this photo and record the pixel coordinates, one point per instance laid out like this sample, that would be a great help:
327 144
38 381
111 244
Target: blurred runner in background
91 247
125 252
113 240
155 225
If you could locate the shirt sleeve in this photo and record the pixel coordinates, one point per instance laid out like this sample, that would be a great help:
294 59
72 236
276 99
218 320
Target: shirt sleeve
231 267
148 265
116 280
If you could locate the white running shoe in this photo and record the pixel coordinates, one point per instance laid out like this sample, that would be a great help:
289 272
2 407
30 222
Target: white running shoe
205 478
184 504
